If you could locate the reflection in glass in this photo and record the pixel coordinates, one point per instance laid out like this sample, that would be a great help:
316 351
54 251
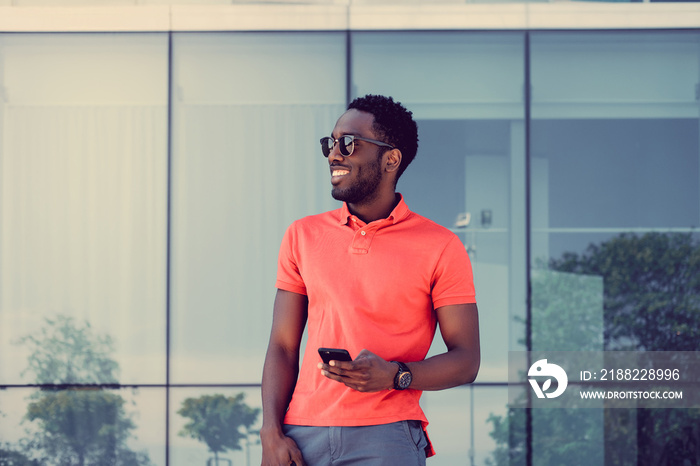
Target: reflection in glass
651 303
449 413
81 427
215 426
560 298
615 134
67 352
559 436
83 125
651 289
222 423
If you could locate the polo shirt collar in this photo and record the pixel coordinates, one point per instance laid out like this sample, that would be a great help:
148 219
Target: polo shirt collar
399 213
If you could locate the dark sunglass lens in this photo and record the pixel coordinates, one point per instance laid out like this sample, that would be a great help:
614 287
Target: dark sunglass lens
326 146
346 144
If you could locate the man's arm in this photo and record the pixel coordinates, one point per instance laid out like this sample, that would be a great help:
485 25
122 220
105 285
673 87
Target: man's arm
459 326
280 375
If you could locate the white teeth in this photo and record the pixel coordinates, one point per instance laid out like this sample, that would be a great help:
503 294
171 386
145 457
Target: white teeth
340 172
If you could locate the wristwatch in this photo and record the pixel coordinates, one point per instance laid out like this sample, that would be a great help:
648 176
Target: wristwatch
403 377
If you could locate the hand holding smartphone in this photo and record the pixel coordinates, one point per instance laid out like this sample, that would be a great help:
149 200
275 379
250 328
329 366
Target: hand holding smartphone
334 354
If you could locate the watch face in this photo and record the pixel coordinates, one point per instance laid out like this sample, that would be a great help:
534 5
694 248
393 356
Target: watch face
405 380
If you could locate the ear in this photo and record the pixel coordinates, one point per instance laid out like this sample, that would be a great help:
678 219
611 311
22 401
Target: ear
392 160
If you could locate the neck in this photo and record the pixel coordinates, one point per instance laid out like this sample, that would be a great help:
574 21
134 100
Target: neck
378 208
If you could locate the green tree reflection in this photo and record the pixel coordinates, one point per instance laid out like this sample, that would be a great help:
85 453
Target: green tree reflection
63 352
651 302
77 426
652 289
221 422
11 455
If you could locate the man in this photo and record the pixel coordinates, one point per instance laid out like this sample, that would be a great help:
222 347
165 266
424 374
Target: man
373 278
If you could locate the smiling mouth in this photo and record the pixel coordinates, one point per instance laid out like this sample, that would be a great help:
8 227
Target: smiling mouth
339 172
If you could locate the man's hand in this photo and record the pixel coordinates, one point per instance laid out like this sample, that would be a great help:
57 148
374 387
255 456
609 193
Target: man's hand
367 373
279 450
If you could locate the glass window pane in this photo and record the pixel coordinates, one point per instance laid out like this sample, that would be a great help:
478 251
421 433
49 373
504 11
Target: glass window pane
96 426
468 425
614 141
465 90
83 126
615 159
249 110
615 151
198 417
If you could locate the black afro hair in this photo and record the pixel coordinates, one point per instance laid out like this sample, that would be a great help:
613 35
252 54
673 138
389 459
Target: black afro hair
393 124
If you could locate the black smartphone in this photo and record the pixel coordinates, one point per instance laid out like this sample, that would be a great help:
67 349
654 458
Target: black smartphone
334 354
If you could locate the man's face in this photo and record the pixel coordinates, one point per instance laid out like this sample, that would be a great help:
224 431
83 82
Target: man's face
355 179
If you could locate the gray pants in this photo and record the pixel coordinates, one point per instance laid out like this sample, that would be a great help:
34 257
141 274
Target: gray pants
400 443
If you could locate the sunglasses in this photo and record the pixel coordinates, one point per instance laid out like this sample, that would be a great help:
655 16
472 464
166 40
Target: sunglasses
346 144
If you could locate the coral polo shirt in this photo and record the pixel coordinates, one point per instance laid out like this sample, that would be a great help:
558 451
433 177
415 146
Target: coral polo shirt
373 286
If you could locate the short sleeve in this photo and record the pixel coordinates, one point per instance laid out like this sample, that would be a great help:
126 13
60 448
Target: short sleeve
288 275
453 281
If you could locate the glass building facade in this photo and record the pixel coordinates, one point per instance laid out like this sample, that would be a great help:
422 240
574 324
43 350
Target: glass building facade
147 178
